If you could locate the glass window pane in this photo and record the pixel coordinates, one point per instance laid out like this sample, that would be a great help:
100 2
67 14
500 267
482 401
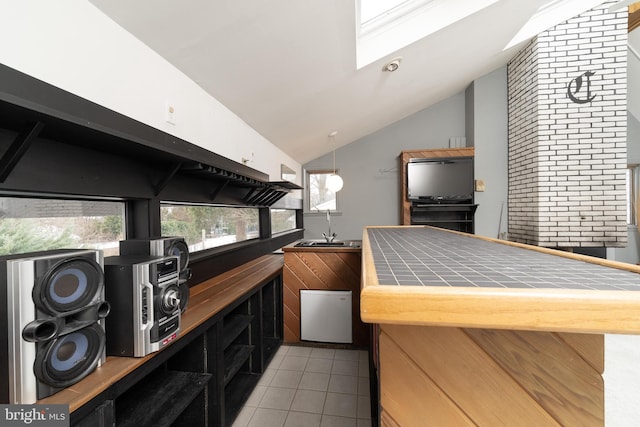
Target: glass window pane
205 227
29 225
320 197
282 220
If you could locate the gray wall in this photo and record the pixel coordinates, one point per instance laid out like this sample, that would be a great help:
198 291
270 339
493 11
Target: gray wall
369 167
487 129
631 253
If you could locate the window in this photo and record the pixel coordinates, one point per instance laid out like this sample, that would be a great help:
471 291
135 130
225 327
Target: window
320 197
282 220
34 224
632 193
207 226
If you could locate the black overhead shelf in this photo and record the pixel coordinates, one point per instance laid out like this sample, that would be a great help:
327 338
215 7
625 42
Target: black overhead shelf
286 184
34 109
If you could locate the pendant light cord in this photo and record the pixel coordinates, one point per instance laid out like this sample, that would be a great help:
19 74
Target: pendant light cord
334 154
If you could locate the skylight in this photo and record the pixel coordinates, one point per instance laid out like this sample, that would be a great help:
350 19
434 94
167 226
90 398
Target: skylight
370 9
384 26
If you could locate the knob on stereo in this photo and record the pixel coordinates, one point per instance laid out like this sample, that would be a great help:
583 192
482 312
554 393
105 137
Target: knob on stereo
170 300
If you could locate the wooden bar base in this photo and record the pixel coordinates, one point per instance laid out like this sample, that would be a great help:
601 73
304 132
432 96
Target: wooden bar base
435 376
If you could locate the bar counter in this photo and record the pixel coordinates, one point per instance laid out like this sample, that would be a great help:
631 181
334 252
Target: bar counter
477 331
430 276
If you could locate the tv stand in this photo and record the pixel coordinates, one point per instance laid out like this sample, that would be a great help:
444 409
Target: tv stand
452 214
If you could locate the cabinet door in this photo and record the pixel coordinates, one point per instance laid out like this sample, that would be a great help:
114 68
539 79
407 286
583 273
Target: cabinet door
102 416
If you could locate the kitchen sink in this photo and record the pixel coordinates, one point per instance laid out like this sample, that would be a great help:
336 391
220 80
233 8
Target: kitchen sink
325 244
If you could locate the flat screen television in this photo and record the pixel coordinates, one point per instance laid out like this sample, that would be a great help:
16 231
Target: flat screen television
440 180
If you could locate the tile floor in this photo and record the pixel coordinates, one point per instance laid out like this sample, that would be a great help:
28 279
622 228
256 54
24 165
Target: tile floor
311 386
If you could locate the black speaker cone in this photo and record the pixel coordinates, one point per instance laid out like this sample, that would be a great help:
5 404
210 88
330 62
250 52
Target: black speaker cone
180 249
69 358
68 285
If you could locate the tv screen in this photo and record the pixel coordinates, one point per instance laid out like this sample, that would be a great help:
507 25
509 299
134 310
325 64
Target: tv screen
440 179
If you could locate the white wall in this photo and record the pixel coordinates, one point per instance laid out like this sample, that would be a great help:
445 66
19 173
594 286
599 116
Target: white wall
74 46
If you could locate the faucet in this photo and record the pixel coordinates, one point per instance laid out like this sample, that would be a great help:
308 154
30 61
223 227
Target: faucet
329 236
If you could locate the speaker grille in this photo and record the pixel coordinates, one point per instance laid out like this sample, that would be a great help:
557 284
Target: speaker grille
69 285
69 358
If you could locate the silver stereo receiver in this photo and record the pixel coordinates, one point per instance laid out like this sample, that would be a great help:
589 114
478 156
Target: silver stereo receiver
145 304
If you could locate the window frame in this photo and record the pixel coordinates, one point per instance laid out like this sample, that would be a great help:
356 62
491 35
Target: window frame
307 202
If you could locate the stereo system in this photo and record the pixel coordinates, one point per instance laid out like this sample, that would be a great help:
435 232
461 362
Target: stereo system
164 246
52 308
144 295
64 310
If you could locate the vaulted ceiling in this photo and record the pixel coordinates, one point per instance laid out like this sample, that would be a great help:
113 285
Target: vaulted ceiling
288 67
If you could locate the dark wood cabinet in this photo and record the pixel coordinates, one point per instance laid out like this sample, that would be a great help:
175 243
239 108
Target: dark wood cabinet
455 216
233 327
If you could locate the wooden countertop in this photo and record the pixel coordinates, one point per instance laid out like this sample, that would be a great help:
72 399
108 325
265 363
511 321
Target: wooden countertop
206 299
420 275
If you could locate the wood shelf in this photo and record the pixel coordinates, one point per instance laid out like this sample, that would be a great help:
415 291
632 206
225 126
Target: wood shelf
454 216
199 347
233 327
234 357
270 346
160 400
236 393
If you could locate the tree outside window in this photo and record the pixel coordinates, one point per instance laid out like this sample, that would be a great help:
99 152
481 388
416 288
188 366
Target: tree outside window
320 197
205 227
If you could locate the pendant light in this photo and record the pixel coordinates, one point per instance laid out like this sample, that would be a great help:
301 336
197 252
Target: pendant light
334 181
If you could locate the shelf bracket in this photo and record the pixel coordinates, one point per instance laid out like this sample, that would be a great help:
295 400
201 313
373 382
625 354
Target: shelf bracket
17 149
218 189
253 197
157 189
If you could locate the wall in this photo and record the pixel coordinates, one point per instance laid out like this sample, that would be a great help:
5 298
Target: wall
369 167
74 46
630 253
567 154
487 129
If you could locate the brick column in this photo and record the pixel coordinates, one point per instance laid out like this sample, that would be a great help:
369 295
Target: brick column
567 134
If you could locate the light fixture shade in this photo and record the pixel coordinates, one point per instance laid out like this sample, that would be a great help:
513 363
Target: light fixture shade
334 182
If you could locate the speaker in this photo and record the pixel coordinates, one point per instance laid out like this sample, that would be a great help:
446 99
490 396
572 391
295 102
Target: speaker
145 298
53 308
163 246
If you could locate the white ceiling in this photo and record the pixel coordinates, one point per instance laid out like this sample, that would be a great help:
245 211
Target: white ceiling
288 67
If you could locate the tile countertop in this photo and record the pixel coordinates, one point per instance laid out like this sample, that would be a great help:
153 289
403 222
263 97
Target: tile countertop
429 276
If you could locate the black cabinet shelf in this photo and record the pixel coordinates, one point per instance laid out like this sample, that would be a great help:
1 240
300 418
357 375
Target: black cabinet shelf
237 393
233 327
204 378
234 357
270 346
454 216
160 400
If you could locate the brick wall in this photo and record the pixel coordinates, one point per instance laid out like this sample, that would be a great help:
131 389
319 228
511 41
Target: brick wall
567 134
